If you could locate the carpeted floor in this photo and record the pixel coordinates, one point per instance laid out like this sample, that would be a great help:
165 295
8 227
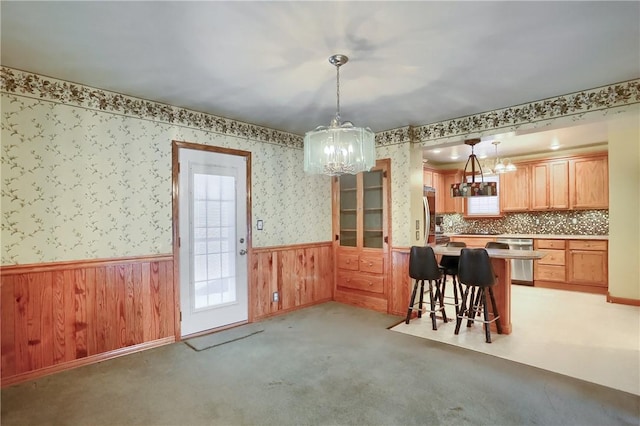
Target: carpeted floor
329 364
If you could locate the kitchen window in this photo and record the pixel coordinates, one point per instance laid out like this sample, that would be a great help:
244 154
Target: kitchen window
484 206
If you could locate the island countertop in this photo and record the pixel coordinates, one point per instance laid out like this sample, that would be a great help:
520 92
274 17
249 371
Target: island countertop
494 253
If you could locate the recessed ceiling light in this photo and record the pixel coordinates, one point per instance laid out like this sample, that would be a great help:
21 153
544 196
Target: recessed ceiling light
436 151
455 156
482 156
554 147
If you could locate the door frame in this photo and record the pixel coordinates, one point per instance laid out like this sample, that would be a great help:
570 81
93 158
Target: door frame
175 213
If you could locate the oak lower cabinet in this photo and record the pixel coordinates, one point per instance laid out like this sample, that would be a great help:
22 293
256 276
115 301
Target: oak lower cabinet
473 241
587 263
361 227
552 267
579 265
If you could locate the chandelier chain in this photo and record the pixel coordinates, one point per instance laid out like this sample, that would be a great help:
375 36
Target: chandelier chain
338 94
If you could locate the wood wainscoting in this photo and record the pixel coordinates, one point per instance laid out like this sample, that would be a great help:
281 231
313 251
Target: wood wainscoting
302 275
62 315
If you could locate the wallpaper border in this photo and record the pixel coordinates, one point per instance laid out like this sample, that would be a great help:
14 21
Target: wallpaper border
29 84
574 104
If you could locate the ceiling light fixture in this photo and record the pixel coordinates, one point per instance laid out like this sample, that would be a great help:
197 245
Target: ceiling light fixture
502 166
340 148
473 188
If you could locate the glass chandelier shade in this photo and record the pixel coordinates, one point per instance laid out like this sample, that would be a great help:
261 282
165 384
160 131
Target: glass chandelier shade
341 147
500 166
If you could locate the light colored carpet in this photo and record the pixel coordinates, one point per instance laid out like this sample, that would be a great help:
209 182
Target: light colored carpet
576 334
212 340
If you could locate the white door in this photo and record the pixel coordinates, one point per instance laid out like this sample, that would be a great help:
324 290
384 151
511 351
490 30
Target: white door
213 241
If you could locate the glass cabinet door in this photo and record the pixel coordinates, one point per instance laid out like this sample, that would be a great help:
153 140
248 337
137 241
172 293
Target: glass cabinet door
372 205
348 210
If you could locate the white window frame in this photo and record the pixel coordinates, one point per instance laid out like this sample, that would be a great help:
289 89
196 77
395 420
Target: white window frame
484 206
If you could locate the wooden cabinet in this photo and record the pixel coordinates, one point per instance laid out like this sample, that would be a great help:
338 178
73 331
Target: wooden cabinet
550 185
573 183
587 262
579 265
451 204
441 193
514 190
552 267
473 241
589 183
427 178
361 223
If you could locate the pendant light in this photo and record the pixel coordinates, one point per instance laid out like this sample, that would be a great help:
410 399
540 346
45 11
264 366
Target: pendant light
473 188
502 166
340 148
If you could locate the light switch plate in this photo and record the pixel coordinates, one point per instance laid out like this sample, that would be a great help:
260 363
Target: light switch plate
259 225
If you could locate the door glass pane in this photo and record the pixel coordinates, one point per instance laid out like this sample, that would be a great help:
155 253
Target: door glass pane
372 204
348 210
214 222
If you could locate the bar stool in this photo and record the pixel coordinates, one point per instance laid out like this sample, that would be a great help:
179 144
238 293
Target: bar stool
475 270
449 266
489 245
423 266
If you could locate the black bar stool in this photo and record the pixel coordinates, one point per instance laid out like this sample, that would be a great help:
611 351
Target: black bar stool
474 297
424 266
449 266
475 270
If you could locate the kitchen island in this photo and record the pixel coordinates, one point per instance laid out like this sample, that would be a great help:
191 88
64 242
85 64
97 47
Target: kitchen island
502 269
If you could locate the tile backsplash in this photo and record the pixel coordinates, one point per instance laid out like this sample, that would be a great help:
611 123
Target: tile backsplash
576 222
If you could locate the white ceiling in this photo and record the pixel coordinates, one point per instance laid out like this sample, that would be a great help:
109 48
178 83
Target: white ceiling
411 63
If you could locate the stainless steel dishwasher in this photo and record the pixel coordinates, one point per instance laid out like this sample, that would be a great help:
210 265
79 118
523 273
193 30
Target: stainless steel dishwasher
521 270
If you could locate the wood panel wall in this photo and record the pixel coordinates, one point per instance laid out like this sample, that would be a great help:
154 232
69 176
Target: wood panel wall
302 275
401 283
58 316
62 315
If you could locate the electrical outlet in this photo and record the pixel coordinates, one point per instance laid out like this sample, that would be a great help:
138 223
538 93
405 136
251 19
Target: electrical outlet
417 235
276 297
417 225
574 221
537 221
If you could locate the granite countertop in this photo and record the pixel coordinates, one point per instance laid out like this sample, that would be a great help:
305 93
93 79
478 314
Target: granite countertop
534 236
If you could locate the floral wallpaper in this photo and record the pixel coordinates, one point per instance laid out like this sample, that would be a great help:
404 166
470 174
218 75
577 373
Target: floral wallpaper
86 173
82 183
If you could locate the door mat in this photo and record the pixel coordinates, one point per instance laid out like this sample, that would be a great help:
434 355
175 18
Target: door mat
209 341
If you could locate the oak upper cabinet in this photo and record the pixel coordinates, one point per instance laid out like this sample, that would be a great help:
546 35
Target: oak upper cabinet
361 224
587 262
589 183
441 193
427 178
451 204
550 185
514 190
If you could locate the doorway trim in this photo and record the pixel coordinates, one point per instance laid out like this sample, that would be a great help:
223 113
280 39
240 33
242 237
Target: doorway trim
175 211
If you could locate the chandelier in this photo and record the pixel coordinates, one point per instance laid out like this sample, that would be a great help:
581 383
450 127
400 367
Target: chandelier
473 188
500 166
340 148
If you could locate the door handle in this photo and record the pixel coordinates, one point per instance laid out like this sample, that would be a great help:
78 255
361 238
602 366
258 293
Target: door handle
243 252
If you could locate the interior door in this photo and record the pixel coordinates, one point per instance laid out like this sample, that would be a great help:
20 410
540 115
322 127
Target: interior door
213 240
